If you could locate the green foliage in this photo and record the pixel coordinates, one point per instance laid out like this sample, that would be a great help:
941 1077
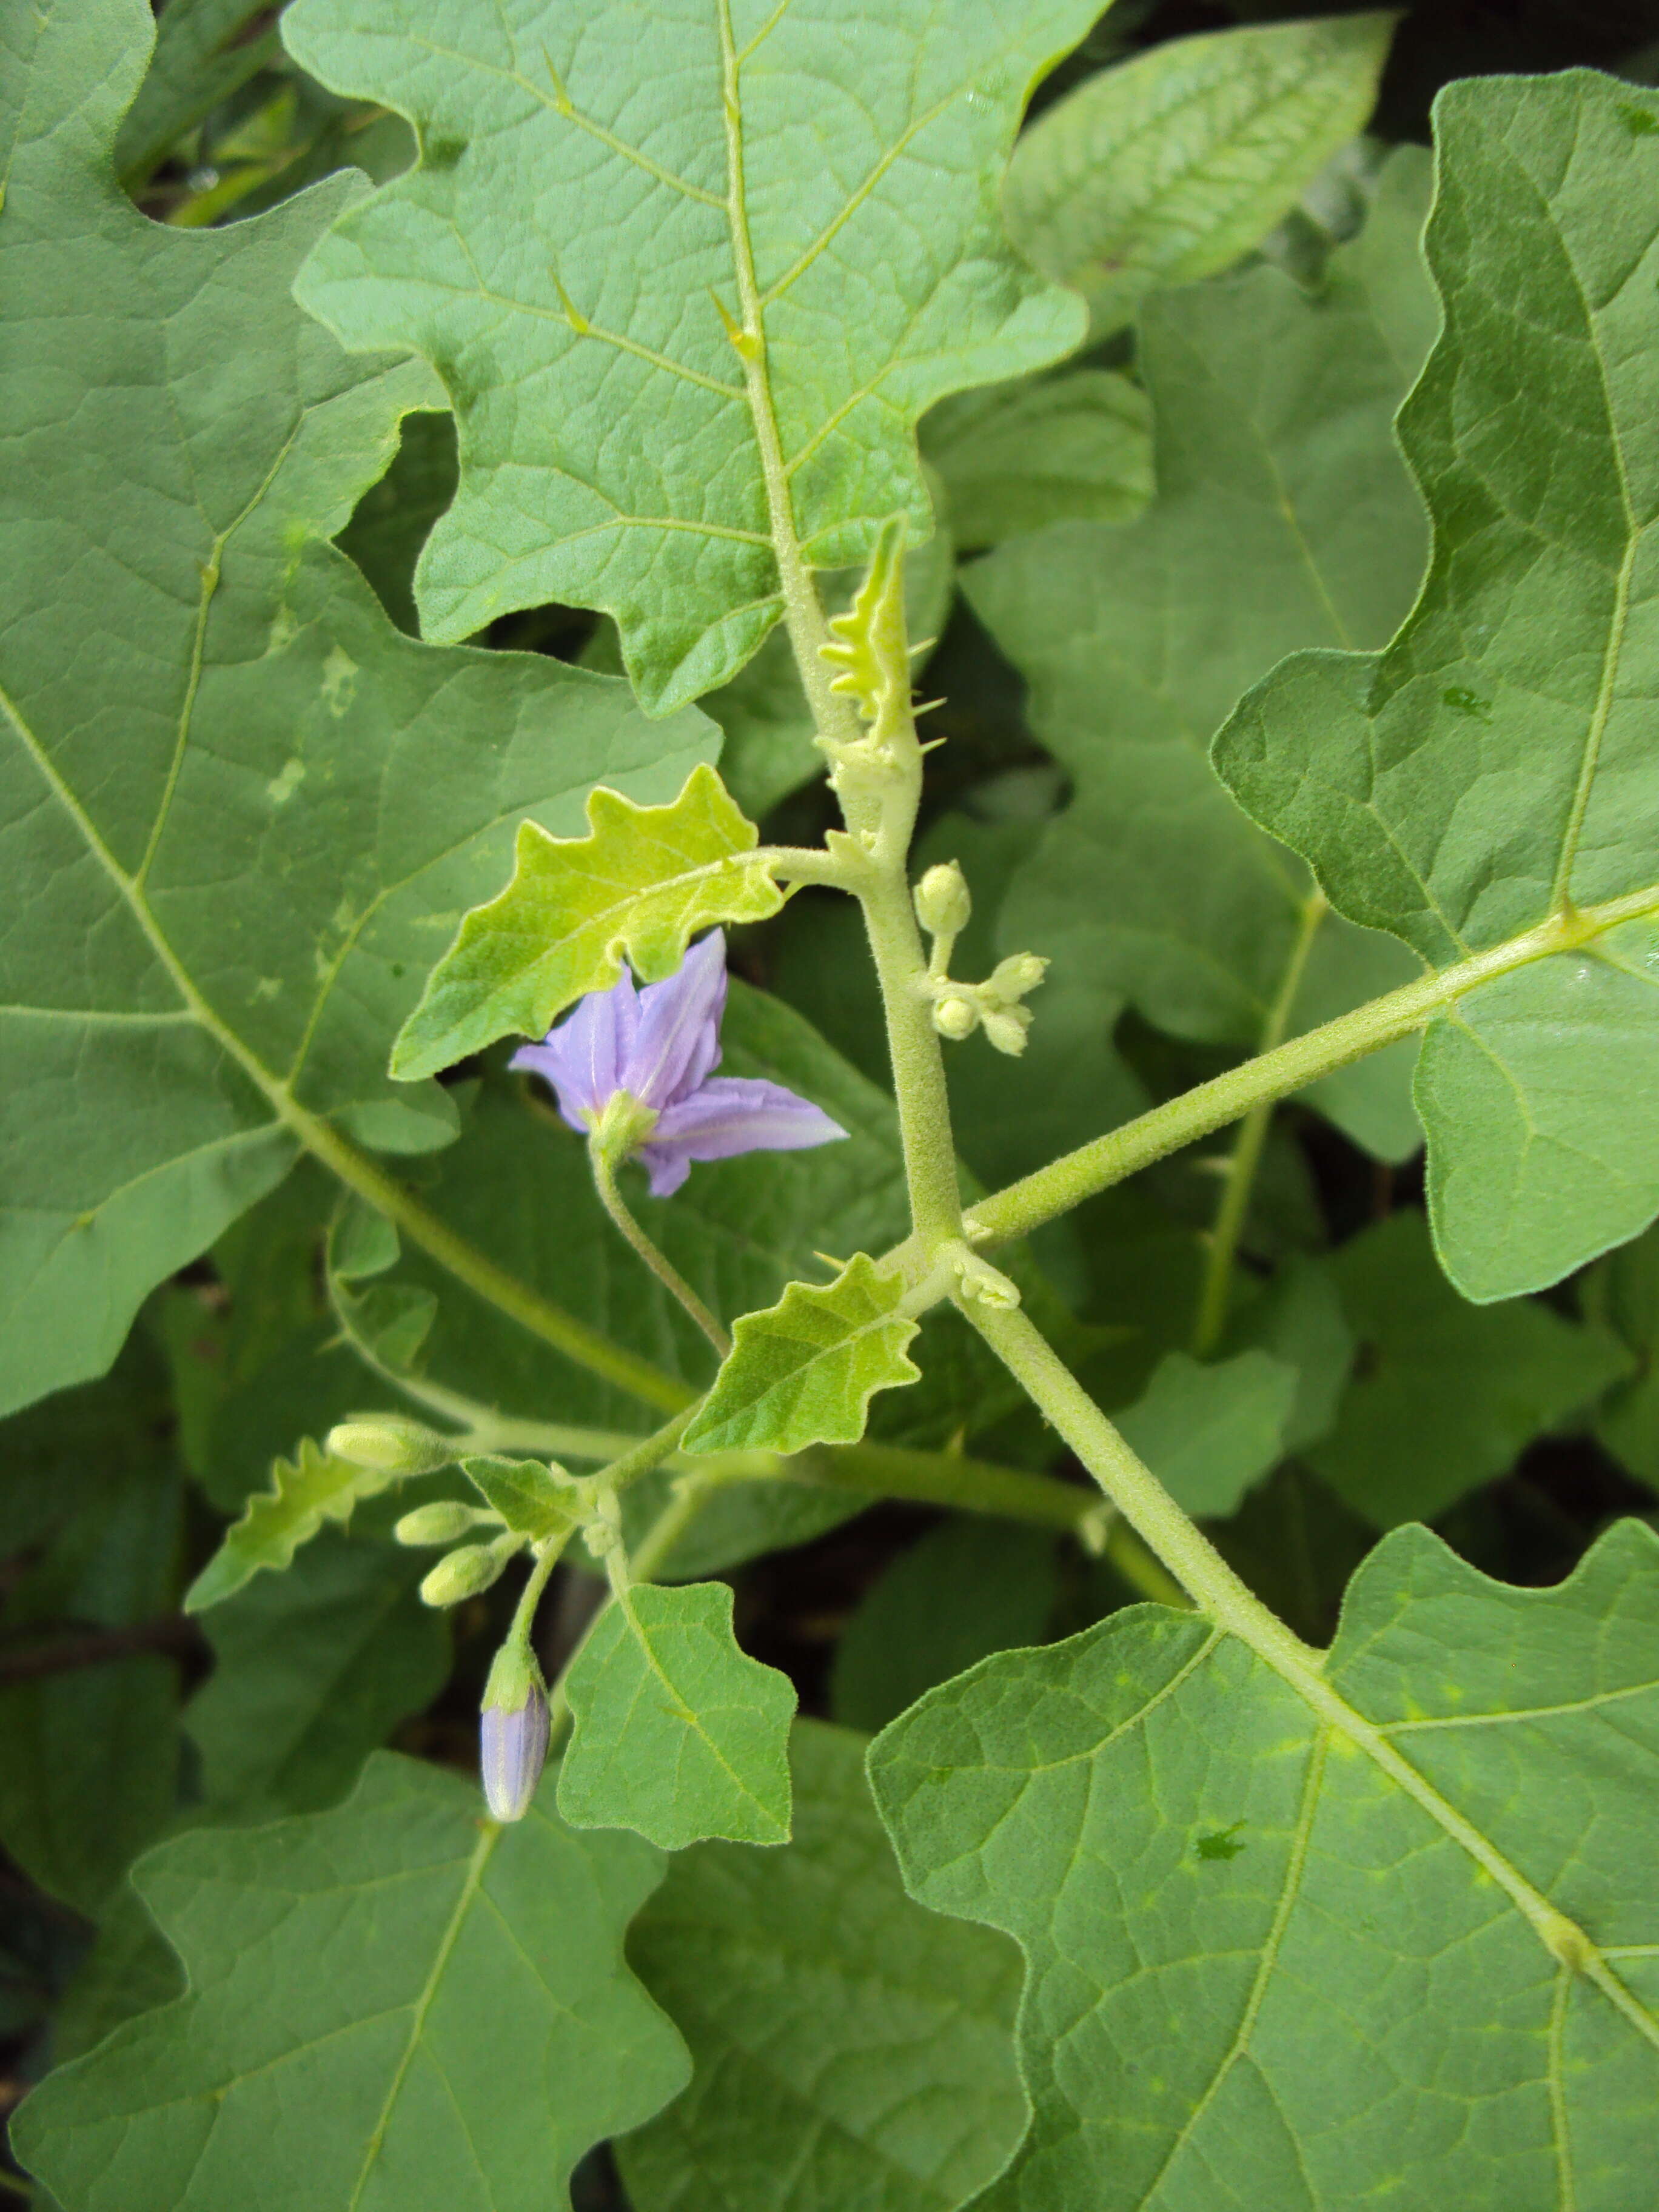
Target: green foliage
969 1588
531 1501
804 1372
1209 1432
849 2048
89 1755
1446 1394
1491 769
1393 1936
1622 1293
434 2004
1283 517
517 1184
1172 165
306 1491
638 885
313 1669
202 55
678 1734
218 935
617 251
1072 447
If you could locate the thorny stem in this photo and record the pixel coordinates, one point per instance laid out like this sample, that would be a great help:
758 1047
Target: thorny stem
1216 1291
605 1181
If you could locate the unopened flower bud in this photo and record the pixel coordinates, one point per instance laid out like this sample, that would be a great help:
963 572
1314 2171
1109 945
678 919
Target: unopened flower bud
466 1572
954 1017
942 906
1011 979
511 1752
1005 1028
445 1521
389 1445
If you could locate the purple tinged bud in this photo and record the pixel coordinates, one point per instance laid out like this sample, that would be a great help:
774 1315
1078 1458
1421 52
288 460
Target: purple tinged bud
511 1752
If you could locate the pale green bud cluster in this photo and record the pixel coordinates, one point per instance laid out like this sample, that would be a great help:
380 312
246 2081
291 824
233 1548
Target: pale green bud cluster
995 1006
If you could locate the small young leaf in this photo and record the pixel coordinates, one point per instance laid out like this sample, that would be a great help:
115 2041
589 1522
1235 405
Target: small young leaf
392 2003
678 1734
1170 166
1395 1941
1493 768
639 885
528 1498
804 1372
1446 1394
592 220
1209 1431
850 2049
305 1492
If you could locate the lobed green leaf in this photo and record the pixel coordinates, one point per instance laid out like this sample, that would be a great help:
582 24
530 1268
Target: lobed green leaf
638 885
1390 1938
804 1372
241 811
584 233
1283 518
1447 1396
388 2000
676 1733
305 1492
849 2048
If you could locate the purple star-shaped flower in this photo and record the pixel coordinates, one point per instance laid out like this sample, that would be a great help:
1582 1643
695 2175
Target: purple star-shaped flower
659 1046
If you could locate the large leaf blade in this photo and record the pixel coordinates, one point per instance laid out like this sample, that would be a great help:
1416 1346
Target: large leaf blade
241 811
386 2000
1398 1941
561 242
1488 774
849 2048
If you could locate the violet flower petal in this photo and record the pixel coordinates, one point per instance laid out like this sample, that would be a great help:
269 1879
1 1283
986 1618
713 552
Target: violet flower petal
581 1057
727 1115
679 1037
